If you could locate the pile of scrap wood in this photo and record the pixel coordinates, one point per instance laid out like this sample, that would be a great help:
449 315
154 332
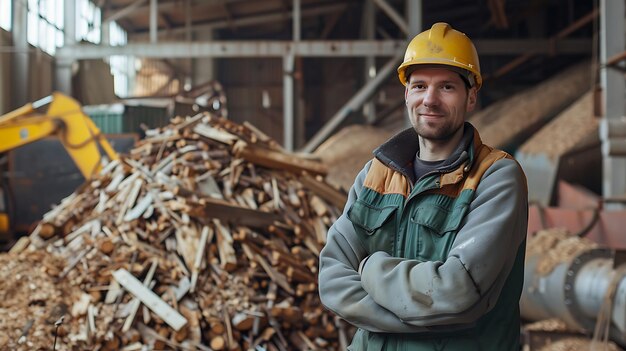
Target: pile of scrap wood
205 237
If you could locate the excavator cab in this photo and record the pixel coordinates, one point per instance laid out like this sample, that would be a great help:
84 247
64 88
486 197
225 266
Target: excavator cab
56 115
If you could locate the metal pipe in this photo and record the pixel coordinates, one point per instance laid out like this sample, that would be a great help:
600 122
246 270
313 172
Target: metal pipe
575 290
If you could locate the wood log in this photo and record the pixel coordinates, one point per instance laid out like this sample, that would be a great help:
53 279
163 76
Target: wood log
218 343
277 160
228 258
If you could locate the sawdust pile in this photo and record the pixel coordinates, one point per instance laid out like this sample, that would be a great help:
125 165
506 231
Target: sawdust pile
346 152
32 300
578 344
569 129
555 246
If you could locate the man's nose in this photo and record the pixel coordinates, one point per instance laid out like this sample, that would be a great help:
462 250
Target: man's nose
431 97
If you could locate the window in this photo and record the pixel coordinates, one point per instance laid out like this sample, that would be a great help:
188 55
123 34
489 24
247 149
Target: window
122 67
45 24
88 21
5 14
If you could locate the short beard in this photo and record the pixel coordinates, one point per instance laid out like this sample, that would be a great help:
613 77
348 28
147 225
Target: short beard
441 133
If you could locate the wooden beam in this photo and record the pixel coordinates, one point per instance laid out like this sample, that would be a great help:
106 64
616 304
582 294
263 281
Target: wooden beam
208 208
150 299
278 160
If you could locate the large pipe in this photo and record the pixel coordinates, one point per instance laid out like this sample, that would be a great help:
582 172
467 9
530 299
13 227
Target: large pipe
575 291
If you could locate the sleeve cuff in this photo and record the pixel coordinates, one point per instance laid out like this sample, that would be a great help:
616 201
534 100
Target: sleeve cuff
362 264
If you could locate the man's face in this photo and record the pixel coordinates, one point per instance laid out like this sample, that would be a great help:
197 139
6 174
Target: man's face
437 101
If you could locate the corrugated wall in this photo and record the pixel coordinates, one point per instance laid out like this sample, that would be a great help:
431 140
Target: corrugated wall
41 73
5 73
244 80
40 79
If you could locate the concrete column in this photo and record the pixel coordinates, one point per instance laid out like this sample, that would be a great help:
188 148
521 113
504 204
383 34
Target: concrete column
63 71
21 73
612 42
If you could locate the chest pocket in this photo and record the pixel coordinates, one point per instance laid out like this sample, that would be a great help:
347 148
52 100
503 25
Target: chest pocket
375 226
432 230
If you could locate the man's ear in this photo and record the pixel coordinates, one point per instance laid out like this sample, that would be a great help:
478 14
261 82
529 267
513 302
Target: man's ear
472 97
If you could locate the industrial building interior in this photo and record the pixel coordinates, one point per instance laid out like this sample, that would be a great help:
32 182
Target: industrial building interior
169 168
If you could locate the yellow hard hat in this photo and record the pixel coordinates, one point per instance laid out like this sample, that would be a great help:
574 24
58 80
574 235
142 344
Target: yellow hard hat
443 45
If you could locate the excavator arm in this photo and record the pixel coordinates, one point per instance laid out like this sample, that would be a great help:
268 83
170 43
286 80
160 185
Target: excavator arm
62 116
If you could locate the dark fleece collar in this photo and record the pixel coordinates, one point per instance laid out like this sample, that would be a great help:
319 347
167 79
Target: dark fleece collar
398 153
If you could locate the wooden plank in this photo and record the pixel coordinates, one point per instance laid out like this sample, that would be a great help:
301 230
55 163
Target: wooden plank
278 160
327 192
215 134
150 299
207 209
135 302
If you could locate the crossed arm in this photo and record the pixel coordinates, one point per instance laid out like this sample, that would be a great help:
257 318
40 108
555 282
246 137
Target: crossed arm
403 295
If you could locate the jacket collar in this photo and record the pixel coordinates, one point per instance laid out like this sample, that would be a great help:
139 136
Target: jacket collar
399 152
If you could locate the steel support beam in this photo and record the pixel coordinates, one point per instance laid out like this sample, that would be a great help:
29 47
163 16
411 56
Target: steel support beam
414 14
126 11
288 84
188 38
355 102
19 30
393 14
309 48
612 42
288 98
141 6
246 21
297 18
154 20
63 65
369 33
414 17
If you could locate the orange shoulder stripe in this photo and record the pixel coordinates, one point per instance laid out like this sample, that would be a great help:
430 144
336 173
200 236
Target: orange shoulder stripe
384 180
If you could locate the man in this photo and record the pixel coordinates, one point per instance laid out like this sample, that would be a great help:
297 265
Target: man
429 252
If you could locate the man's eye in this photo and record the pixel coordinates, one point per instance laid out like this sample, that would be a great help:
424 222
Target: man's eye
419 86
448 87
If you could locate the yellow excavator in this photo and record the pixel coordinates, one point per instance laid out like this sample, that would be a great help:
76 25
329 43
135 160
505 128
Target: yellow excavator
56 115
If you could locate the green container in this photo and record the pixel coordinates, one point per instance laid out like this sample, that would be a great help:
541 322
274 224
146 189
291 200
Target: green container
123 118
